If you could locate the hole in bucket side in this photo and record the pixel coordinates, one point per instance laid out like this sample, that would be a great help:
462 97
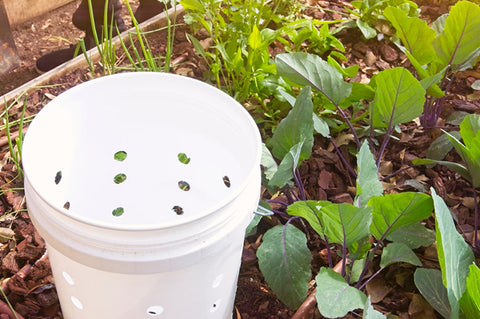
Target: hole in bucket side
68 278
226 181
154 311
184 186
215 305
120 156
66 205
118 211
58 177
178 210
119 178
183 158
77 303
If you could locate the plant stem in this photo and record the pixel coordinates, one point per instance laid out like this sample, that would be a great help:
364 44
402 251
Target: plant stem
343 159
345 117
369 279
383 146
298 181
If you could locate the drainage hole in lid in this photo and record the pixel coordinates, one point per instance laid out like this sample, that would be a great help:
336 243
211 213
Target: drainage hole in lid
183 158
226 180
154 311
120 156
119 178
66 205
58 177
178 210
184 186
118 211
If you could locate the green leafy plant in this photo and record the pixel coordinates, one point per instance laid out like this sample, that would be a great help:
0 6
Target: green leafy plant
239 60
394 96
370 17
348 228
455 290
438 52
469 151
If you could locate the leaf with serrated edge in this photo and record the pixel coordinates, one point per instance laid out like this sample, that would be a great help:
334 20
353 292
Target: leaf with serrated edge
335 298
284 259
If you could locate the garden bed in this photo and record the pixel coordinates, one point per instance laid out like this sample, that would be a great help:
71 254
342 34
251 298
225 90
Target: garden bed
27 279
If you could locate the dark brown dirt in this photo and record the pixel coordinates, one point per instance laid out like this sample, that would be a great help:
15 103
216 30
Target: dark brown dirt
27 279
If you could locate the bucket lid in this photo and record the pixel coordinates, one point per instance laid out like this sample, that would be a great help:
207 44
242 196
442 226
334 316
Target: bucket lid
141 151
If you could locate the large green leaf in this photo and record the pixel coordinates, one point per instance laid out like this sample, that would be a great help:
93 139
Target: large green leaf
398 252
284 259
399 98
470 302
454 254
459 43
335 298
416 35
429 283
393 211
368 184
295 128
309 69
345 224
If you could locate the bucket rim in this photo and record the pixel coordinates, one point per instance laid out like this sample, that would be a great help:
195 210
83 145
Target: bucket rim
70 213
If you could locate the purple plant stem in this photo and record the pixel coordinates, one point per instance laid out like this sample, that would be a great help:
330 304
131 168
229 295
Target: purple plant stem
342 113
276 201
344 161
298 181
385 141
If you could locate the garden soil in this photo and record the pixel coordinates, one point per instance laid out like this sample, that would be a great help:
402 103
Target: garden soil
25 272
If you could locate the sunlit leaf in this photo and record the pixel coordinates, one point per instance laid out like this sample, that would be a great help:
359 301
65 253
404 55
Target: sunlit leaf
399 98
308 69
335 298
454 254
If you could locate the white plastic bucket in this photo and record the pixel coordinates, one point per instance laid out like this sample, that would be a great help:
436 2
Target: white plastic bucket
153 234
